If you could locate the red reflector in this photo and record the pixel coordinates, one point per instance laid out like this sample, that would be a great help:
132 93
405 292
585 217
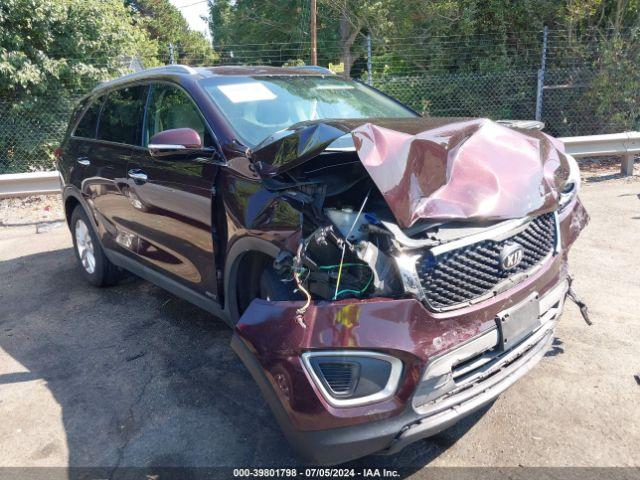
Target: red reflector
58 153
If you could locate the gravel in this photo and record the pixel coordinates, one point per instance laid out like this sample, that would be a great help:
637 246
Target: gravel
30 210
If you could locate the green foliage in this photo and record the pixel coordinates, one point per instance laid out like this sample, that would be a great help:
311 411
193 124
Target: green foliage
164 23
65 44
30 130
50 51
615 89
249 22
464 35
492 95
244 30
296 62
53 51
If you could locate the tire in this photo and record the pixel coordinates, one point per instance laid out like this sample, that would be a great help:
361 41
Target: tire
274 289
94 265
258 280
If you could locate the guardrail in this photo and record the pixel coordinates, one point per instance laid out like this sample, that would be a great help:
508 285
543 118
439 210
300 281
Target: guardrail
24 184
625 145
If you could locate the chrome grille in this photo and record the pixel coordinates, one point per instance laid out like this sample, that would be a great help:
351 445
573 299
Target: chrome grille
473 271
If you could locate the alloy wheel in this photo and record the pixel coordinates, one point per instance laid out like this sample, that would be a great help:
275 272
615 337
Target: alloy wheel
84 246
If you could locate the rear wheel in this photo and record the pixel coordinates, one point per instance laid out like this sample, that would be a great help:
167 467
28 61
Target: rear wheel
95 266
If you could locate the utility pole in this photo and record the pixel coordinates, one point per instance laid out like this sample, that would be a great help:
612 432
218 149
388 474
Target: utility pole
172 58
543 66
314 34
369 61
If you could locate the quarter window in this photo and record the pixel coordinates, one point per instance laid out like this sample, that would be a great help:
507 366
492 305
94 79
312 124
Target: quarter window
121 118
87 126
170 107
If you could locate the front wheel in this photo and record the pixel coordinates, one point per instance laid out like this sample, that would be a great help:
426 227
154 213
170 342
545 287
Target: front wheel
94 264
273 288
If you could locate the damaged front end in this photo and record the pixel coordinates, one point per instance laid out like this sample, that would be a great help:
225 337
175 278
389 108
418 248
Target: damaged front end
429 274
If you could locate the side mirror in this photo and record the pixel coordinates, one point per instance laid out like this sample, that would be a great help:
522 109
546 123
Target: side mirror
177 141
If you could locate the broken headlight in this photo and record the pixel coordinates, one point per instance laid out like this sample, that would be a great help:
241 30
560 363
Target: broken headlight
409 275
348 378
572 185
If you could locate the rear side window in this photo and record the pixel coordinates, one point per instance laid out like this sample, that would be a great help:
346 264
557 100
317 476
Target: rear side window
121 117
170 107
87 126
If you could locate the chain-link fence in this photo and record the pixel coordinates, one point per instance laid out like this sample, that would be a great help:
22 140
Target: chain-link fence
579 93
495 95
567 108
30 131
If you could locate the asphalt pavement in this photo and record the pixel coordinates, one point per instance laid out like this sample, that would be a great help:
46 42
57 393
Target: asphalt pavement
132 376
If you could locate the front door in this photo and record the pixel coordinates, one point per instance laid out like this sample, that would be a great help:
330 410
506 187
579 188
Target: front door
171 199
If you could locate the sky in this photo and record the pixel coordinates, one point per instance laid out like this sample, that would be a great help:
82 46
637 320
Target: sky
192 10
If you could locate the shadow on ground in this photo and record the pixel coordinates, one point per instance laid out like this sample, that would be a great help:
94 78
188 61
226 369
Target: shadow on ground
603 178
145 379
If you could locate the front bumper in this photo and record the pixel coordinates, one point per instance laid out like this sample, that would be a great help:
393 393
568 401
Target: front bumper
450 365
480 375
477 372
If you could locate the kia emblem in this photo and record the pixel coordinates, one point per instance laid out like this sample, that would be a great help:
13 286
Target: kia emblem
511 255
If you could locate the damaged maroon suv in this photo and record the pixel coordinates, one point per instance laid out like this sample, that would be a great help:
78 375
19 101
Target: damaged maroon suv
384 274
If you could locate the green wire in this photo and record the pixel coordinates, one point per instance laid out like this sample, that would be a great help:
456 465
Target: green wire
329 267
355 292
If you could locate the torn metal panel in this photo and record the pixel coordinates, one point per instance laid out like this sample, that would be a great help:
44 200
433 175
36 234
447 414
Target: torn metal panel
437 169
471 170
291 147
573 219
303 141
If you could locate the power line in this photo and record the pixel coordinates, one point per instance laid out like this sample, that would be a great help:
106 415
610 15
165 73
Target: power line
192 4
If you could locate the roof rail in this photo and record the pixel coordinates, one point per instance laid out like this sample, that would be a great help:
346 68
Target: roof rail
174 68
314 68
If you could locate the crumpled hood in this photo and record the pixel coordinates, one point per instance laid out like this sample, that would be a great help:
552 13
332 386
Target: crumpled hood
438 169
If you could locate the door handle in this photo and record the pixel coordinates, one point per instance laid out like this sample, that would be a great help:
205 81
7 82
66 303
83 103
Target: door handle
83 161
137 175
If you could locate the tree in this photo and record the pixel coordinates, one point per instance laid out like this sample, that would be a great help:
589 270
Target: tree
221 22
164 23
51 45
243 30
51 52
354 18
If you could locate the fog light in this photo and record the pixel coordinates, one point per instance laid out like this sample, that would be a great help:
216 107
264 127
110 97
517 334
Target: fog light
348 378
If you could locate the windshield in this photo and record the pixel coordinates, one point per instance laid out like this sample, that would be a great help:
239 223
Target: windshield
257 107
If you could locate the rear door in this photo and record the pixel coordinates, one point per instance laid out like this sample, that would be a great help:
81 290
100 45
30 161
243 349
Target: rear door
171 211
77 151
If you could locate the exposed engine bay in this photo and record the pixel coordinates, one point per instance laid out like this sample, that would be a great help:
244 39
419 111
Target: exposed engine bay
374 199
346 250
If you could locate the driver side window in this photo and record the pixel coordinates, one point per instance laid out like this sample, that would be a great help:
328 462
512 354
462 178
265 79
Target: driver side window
170 107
